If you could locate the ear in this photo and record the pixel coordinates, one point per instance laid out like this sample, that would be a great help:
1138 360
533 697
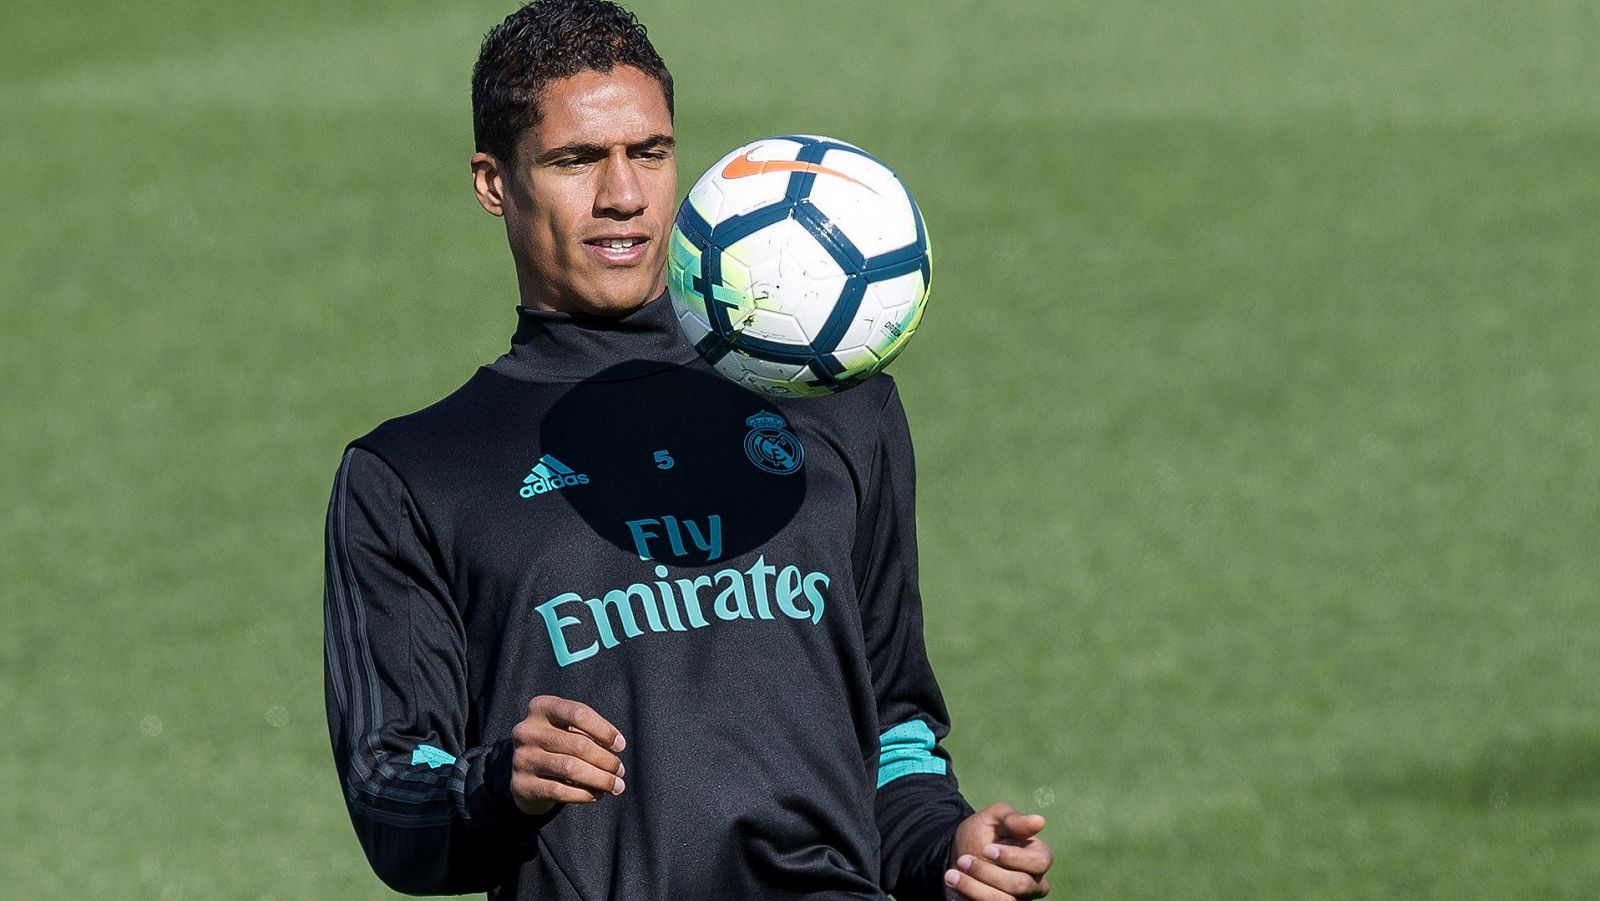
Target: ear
488 183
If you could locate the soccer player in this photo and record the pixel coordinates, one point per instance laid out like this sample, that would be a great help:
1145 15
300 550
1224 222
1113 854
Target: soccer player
582 639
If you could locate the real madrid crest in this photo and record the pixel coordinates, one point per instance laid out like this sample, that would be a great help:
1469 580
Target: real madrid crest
772 447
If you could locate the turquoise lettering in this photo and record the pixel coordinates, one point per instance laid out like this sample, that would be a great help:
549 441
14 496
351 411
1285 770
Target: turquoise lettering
759 571
788 588
674 536
641 536
731 603
554 624
651 614
710 543
688 589
621 601
814 594
668 602
749 594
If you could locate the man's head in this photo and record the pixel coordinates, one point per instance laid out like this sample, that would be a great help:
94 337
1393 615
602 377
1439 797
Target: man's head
572 114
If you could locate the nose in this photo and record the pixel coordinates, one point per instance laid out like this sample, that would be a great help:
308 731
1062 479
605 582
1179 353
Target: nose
619 195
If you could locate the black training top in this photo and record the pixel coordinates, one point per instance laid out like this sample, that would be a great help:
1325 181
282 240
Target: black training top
729 579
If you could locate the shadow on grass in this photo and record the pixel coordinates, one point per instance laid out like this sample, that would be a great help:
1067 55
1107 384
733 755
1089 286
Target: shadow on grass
1502 773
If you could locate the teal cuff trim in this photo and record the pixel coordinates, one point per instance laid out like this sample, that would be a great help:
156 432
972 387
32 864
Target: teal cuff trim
431 756
907 749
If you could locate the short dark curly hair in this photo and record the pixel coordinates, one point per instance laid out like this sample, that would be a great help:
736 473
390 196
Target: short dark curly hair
547 40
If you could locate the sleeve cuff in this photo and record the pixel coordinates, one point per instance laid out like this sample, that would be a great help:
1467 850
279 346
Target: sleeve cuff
489 800
917 820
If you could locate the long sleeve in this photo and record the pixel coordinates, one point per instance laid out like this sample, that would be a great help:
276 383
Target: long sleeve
434 816
918 802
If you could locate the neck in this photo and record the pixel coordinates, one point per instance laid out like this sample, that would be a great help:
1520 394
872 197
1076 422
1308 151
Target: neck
577 345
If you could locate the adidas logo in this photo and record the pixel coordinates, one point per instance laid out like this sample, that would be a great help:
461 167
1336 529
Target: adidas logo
550 474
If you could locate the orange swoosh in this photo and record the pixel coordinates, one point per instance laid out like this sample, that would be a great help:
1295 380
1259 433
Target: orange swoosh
741 166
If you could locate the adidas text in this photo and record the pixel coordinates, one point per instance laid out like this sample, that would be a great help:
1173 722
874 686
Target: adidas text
550 474
540 485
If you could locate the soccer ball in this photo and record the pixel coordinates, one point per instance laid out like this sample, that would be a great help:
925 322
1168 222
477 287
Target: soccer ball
799 265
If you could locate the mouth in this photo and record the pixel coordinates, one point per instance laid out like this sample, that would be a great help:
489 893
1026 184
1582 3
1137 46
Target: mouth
618 250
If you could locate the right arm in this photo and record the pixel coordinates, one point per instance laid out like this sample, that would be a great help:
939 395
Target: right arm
434 816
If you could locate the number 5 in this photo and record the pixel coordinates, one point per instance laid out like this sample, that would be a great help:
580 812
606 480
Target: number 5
663 460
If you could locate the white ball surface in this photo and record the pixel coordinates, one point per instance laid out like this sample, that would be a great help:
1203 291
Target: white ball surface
799 265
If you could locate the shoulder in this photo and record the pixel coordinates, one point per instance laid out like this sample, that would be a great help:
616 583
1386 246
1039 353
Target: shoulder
442 427
859 406
871 407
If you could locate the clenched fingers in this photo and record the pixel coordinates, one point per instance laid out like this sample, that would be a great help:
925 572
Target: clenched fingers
564 713
1014 883
964 886
571 770
1033 857
582 747
530 786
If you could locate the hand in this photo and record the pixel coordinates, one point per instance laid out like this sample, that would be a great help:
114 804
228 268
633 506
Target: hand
564 754
997 855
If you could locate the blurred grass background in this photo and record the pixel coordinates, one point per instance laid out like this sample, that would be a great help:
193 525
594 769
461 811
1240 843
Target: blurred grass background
1274 325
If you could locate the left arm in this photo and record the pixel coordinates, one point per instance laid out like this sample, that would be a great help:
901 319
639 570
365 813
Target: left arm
925 826
918 803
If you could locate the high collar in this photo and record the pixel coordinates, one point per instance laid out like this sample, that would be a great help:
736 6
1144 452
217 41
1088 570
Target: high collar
576 347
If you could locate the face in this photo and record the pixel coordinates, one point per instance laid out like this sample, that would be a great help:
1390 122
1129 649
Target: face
588 201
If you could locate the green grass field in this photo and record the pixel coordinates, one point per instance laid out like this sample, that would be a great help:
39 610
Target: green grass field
1273 325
